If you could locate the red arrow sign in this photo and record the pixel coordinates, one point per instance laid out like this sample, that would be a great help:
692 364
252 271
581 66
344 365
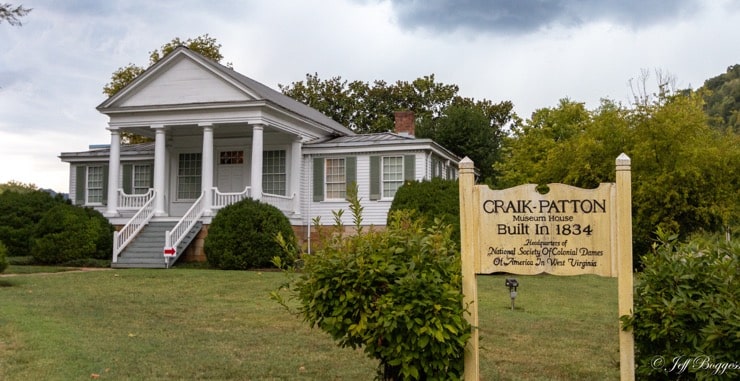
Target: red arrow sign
169 251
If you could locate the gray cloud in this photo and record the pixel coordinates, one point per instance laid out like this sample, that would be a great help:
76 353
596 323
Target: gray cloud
526 16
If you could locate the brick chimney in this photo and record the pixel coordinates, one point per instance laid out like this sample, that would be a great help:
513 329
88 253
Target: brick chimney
404 122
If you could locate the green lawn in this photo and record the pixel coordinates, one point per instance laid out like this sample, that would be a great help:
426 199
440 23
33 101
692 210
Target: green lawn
185 324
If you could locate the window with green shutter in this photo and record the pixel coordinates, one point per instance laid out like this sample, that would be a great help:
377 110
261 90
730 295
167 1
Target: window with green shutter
332 176
388 173
95 185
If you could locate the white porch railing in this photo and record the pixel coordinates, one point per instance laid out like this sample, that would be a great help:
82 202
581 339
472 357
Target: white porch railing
221 199
133 201
191 217
284 203
124 236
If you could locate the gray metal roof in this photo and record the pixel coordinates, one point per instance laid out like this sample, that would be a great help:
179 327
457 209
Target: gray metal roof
126 150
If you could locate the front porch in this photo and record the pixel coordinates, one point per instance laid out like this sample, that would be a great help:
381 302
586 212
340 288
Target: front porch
157 242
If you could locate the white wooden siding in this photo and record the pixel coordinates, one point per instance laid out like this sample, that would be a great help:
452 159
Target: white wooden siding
374 213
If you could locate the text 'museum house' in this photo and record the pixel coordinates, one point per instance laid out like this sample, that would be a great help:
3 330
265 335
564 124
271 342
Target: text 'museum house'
220 137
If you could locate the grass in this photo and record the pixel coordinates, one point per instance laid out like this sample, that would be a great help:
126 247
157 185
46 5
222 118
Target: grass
221 325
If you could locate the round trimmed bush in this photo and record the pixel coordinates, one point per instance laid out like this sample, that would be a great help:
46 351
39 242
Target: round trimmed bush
243 236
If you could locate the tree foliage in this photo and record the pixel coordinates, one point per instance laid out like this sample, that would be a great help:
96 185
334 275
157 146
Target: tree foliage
722 97
17 186
685 174
473 129
205 45
465 126
12 14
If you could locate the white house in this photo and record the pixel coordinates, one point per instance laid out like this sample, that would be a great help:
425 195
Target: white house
220 137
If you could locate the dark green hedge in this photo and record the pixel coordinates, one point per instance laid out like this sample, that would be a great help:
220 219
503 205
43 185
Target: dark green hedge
242 236
67 233
432 199
19 214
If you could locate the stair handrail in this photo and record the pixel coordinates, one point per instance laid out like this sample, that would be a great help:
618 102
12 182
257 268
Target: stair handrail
123 237
173 237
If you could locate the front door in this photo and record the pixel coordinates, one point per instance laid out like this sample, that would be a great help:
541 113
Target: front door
231 171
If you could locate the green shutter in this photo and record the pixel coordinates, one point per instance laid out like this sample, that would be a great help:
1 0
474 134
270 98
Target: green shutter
409 167
105 185
128 181
375 177
350 171
80 183
318 179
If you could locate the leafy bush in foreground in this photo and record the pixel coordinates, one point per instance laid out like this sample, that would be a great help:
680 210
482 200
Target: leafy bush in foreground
396 294
686 309
242 236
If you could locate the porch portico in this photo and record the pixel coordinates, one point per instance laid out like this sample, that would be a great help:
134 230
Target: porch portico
219 163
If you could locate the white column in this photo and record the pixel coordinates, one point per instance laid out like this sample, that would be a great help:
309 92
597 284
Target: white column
257 146
296 157
114 164
159 172
206 180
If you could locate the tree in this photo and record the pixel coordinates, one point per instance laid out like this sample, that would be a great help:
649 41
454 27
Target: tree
722 100
205 45
465 126
17 186
12 14
685 174
366 109
472 129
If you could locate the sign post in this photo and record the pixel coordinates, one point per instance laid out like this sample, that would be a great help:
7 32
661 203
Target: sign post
564 231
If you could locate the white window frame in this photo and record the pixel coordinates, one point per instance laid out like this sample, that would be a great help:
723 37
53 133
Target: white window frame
387 190
89 186
274 175
141 182
189 194
334 189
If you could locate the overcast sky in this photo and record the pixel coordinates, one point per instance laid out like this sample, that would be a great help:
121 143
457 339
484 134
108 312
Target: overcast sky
532 52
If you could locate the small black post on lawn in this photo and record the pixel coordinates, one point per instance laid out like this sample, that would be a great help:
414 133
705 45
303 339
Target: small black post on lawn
512 284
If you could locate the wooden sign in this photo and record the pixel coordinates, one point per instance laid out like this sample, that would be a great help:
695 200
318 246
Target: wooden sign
564 231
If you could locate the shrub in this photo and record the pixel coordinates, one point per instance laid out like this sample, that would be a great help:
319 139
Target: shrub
686 309
242 236
434 199
396 294
19 214
3 257
67 233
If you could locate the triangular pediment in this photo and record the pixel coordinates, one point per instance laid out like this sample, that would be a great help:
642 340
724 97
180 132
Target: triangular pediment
181 80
